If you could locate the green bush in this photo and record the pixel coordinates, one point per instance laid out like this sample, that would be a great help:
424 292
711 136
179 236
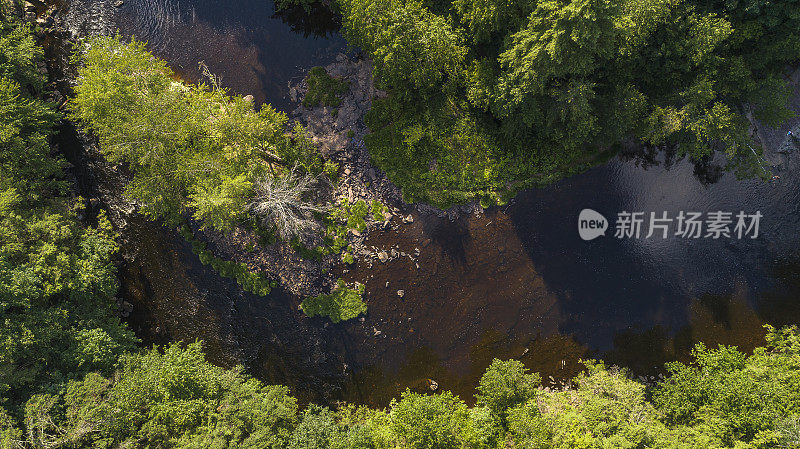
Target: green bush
331 170
440 421
505 385
323 89
342 304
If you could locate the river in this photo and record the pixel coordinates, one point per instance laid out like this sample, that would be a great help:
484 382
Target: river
516 281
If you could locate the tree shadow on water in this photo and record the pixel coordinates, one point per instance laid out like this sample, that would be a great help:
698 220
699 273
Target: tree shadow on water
320 21
781 305
452 236
706 170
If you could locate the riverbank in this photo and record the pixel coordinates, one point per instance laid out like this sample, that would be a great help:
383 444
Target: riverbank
167 295
515 278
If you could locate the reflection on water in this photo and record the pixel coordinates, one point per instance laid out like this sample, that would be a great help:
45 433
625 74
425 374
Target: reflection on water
253 50
516 282
319 22
177 298
519 282
780 305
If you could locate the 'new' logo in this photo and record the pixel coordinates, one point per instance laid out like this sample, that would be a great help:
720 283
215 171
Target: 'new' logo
591 224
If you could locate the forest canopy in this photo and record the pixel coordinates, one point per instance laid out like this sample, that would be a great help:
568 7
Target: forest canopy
487 97
193 149
171 397
58 316
71 375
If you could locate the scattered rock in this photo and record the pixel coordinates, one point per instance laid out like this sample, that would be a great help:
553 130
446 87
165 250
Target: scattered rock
347 172
125 308
371 173
382 256
45 22
249 98
408 219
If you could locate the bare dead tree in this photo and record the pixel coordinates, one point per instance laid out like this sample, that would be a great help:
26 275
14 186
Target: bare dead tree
788 430
279 202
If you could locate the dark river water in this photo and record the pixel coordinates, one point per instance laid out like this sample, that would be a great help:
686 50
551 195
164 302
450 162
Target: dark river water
517 281
243 41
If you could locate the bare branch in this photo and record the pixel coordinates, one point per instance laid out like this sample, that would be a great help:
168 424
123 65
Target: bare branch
279 201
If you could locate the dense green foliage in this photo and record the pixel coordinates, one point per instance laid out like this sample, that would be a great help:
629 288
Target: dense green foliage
196 152
169 399
69 377
487 97
173 398
191 148
738 397
506 385
57 280
342 304
27 121
323 89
